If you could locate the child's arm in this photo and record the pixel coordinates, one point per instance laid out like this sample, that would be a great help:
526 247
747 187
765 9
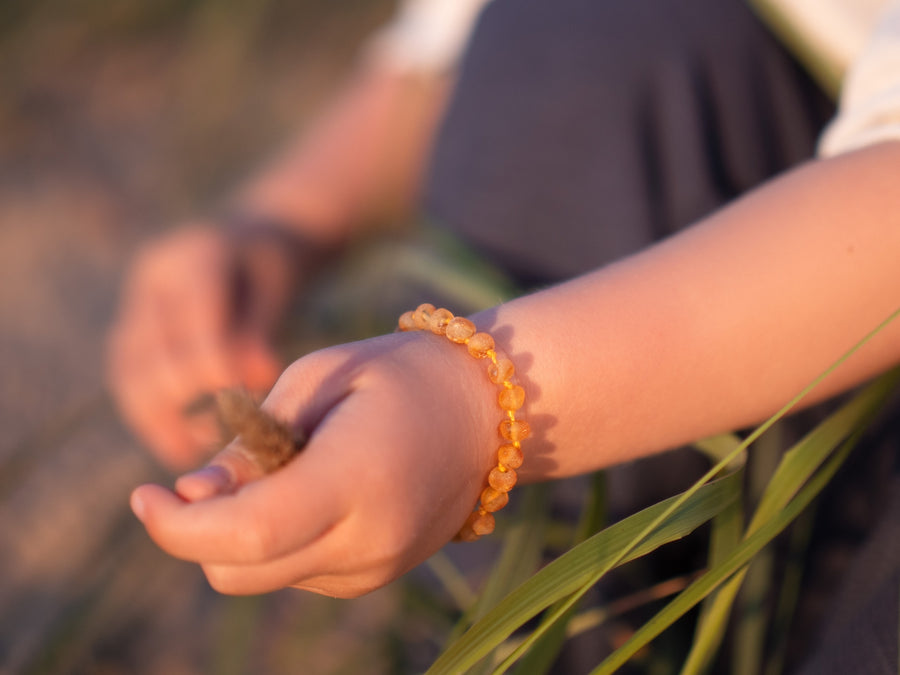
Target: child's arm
710 330
179 332
720 325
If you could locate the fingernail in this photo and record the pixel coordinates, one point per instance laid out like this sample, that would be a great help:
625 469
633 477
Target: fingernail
137 506
205 483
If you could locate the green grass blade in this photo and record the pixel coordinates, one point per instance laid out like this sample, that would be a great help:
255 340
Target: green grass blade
789 596
543 654
453 581
520 557
750 617
541 657
595 513
727 532
803 459
597 616
571 571
737 561
717 447
795 468
521 552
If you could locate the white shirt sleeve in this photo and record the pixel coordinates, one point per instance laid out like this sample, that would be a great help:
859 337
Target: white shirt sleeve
426 36
869 109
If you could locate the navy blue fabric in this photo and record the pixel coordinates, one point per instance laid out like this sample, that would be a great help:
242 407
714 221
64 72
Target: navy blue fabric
582 130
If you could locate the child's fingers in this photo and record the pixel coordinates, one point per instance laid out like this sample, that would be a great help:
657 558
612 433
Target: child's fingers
260 521
225 513
241 580
325 564
348 560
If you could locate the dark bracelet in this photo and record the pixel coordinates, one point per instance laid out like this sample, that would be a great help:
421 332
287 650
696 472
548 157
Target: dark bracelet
247 230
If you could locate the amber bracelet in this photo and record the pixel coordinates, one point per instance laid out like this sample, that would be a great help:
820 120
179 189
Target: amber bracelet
513 431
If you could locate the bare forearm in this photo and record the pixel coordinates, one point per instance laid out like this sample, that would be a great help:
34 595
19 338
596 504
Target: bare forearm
360 162
718 326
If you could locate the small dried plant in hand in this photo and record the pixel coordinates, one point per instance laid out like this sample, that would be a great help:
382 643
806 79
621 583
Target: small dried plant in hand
270 442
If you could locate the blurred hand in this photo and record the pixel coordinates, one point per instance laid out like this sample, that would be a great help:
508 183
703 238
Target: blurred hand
189 324
402 435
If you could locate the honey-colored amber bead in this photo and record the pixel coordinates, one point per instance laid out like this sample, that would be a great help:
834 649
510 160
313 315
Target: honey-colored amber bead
515 430
479 345
510 456
422 315
460 329
512 398
407 322
483 523
467 534
493 499
437 322
502 370
501 480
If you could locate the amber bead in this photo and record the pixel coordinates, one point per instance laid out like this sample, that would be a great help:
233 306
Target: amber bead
483 523
515 430
437 322
466 533
467 526
501 480
422 315
512 398
500 369
460 329
480 344
510 456
493 499
407 322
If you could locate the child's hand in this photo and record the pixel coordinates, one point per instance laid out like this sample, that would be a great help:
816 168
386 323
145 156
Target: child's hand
402 434
178 336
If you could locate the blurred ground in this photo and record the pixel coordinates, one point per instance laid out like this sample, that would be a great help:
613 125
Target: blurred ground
115 120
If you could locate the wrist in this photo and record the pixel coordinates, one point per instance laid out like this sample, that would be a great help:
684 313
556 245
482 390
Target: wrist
300 253
509 398
271 259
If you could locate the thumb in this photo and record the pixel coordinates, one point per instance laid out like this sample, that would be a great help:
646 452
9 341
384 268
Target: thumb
228 470
264 443
301 398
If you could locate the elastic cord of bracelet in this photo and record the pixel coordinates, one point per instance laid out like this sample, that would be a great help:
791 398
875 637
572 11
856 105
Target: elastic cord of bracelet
512 430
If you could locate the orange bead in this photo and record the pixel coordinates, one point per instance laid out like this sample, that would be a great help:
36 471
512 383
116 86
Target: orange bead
515 430
468 524
422 314
493 499
460 329
407 322
510 456
437 322
501 480
512 398
466 533
483 523
479 345
501 370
